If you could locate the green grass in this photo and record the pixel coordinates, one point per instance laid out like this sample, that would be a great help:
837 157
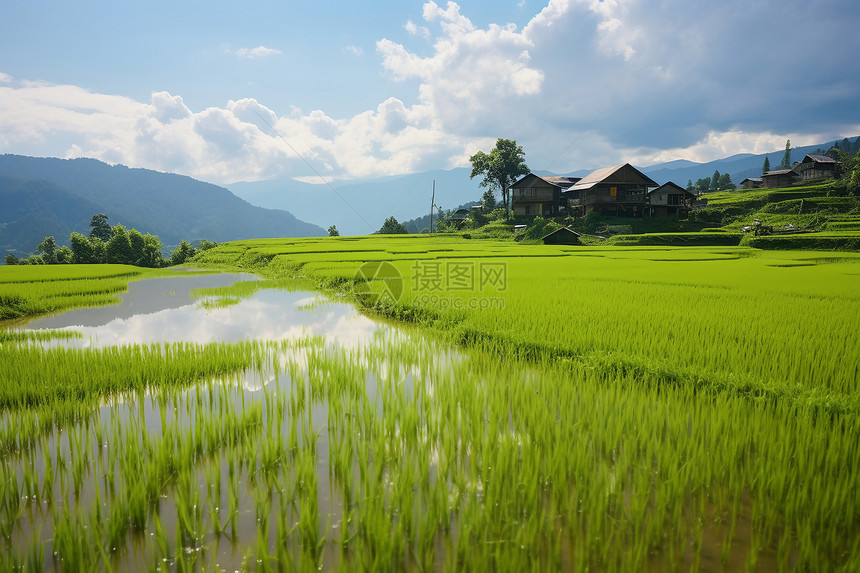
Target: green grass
619 409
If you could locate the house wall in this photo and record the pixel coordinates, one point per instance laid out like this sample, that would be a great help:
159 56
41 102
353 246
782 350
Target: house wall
815 170
777 181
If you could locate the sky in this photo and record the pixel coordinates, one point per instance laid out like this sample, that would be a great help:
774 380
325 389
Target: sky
339 90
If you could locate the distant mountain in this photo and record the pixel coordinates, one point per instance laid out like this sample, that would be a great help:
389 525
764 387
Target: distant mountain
360 207
47 196
739 166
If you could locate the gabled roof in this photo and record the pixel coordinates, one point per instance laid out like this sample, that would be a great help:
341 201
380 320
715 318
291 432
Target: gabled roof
779 172
815 158
752 179
671 186
560 182
565 232
615 174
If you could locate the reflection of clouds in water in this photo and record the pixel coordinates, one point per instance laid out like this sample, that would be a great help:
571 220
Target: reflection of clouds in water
268 315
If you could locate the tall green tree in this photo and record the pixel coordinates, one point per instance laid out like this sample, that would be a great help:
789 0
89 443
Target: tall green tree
786 158
118 249
766 166
715 181
488 201
151 252
333 232
48 248
392 227
500 168
99 227
725 183
83 251
181 254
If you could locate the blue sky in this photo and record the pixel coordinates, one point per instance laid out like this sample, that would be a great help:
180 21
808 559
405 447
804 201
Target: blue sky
348 89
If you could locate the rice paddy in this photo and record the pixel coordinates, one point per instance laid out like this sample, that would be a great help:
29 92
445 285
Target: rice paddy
655 409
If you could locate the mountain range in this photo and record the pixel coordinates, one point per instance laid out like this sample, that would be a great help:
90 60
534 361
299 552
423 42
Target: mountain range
47 196
360 207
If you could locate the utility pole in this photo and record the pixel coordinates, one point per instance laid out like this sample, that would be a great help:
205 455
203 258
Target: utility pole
432 204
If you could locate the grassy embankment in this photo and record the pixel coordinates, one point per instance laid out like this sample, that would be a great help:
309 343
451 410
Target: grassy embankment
829 215
652 408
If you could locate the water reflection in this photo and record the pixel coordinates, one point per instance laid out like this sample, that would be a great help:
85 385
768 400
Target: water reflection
163 310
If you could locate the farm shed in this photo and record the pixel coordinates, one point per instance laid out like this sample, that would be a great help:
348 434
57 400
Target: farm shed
563 236
670 199
751 183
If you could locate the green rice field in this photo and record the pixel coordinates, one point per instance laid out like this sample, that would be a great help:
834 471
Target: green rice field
522 407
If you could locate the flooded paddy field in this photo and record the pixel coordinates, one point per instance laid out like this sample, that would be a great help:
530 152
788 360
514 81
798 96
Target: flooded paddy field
217 423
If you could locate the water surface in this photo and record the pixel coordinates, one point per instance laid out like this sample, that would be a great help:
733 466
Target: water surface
164 310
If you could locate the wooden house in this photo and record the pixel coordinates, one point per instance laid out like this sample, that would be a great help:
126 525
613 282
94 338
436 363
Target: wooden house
751 183
670 199
621 191
816 166
534 195
563 236
779 178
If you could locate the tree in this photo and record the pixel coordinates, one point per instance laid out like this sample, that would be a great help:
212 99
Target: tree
488 201
100 229
83 252
135 239
181 254
715 181
392 227
151 256
689 184
11 259
766 167
333 232
64 255
786 159
500 168
118 249
48 248
725 183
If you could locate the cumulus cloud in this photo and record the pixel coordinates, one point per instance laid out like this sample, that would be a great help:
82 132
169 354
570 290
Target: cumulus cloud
585 83
256 53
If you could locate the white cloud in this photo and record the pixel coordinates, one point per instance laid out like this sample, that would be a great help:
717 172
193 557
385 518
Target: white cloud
585 83
258 52
354 50
417 30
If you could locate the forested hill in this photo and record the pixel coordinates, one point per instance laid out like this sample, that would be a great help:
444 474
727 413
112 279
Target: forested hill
47 196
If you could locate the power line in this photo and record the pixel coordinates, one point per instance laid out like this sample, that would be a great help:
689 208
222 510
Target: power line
317 173
581 133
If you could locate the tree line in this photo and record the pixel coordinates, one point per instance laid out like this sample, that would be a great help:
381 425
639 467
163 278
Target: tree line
719 182
109 245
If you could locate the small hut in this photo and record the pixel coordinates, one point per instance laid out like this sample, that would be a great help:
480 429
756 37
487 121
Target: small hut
562 236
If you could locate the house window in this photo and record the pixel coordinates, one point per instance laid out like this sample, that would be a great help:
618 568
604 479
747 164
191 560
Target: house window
674 199
528 209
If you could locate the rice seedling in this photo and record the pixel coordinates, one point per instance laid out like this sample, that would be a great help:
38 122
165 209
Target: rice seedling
590 446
